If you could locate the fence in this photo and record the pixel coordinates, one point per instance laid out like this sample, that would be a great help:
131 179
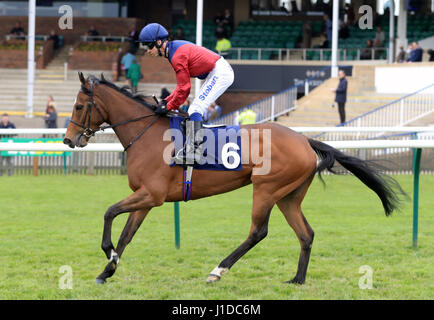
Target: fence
108 157
399 112
344 54
102 162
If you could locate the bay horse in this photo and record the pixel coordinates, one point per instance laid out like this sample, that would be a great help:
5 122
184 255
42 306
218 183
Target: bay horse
295 159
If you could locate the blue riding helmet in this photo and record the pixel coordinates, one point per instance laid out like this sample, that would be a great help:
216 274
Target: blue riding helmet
153 32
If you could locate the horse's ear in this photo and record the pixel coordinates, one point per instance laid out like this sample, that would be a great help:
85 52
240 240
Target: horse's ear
81 77
102 77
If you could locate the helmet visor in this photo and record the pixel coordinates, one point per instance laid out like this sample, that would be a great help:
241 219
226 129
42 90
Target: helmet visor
150 44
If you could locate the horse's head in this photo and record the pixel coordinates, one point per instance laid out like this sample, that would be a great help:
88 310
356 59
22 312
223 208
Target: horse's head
87 116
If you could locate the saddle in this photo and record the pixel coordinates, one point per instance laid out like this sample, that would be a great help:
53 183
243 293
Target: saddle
213 144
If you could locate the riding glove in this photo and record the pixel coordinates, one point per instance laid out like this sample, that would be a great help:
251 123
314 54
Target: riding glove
161 108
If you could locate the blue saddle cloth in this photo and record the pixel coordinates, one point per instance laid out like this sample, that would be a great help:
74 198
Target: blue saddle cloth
212 156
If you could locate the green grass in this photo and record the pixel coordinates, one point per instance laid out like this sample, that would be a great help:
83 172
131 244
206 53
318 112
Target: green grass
50 221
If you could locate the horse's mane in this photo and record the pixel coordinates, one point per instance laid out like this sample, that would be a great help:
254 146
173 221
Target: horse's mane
125 90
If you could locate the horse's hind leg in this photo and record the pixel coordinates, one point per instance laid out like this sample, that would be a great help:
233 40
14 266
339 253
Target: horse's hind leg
260 214
290 206
134 221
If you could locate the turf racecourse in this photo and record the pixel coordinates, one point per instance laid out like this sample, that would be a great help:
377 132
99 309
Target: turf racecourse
50 221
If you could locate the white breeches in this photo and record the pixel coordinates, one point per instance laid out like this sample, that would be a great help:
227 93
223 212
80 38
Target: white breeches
215 84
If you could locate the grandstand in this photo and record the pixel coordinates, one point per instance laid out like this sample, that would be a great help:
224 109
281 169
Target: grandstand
257 40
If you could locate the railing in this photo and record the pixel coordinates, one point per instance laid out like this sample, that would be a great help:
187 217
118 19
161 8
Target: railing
106 156
106 38
266 109
103 162
399 112
344 54
271 107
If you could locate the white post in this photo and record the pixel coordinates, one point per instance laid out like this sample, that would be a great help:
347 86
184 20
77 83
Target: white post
31 58
65 71
199 22
402 24
272 107
392 31
335 39
401 113
306 87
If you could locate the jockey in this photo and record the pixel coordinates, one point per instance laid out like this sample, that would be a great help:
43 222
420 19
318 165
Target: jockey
188 60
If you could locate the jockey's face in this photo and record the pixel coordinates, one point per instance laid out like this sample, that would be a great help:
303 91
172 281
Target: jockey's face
154 51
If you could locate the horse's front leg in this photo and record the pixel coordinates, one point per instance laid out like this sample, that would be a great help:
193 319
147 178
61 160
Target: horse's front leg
141 201
133 224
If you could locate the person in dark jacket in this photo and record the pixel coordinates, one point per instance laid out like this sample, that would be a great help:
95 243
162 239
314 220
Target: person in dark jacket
6 124
341 94
416 53
51 117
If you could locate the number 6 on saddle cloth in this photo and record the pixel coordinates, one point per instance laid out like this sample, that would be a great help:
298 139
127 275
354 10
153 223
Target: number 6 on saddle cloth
221 149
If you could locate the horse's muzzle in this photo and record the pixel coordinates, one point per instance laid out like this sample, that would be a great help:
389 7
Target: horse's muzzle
69 142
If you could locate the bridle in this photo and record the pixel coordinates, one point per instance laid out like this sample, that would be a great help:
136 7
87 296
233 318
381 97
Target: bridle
89 132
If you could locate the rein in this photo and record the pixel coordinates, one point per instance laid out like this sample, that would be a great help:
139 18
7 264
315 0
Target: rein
89 132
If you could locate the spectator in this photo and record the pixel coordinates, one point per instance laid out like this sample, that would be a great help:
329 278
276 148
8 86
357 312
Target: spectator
218 18
222 47
213 112
6 124
294 8
325 43
344 31
186 105
401 57
416 53
431 54
379 35
127 60
17 30
92 31
228 22
350 14
307 35
50 102
220 31
367 52
164 93
179 35
247 117
55 38
377 51
328 28
341 95
67 121
134 74
133 36
51 117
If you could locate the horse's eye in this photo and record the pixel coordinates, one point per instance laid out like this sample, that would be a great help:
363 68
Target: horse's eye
79 107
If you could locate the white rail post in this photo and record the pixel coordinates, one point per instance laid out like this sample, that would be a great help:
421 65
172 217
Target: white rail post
65 71
401 113
272 107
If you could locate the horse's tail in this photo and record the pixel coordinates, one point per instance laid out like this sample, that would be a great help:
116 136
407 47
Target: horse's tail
384 186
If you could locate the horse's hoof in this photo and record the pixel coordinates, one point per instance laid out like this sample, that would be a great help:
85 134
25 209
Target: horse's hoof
99 281
295 281
212 278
